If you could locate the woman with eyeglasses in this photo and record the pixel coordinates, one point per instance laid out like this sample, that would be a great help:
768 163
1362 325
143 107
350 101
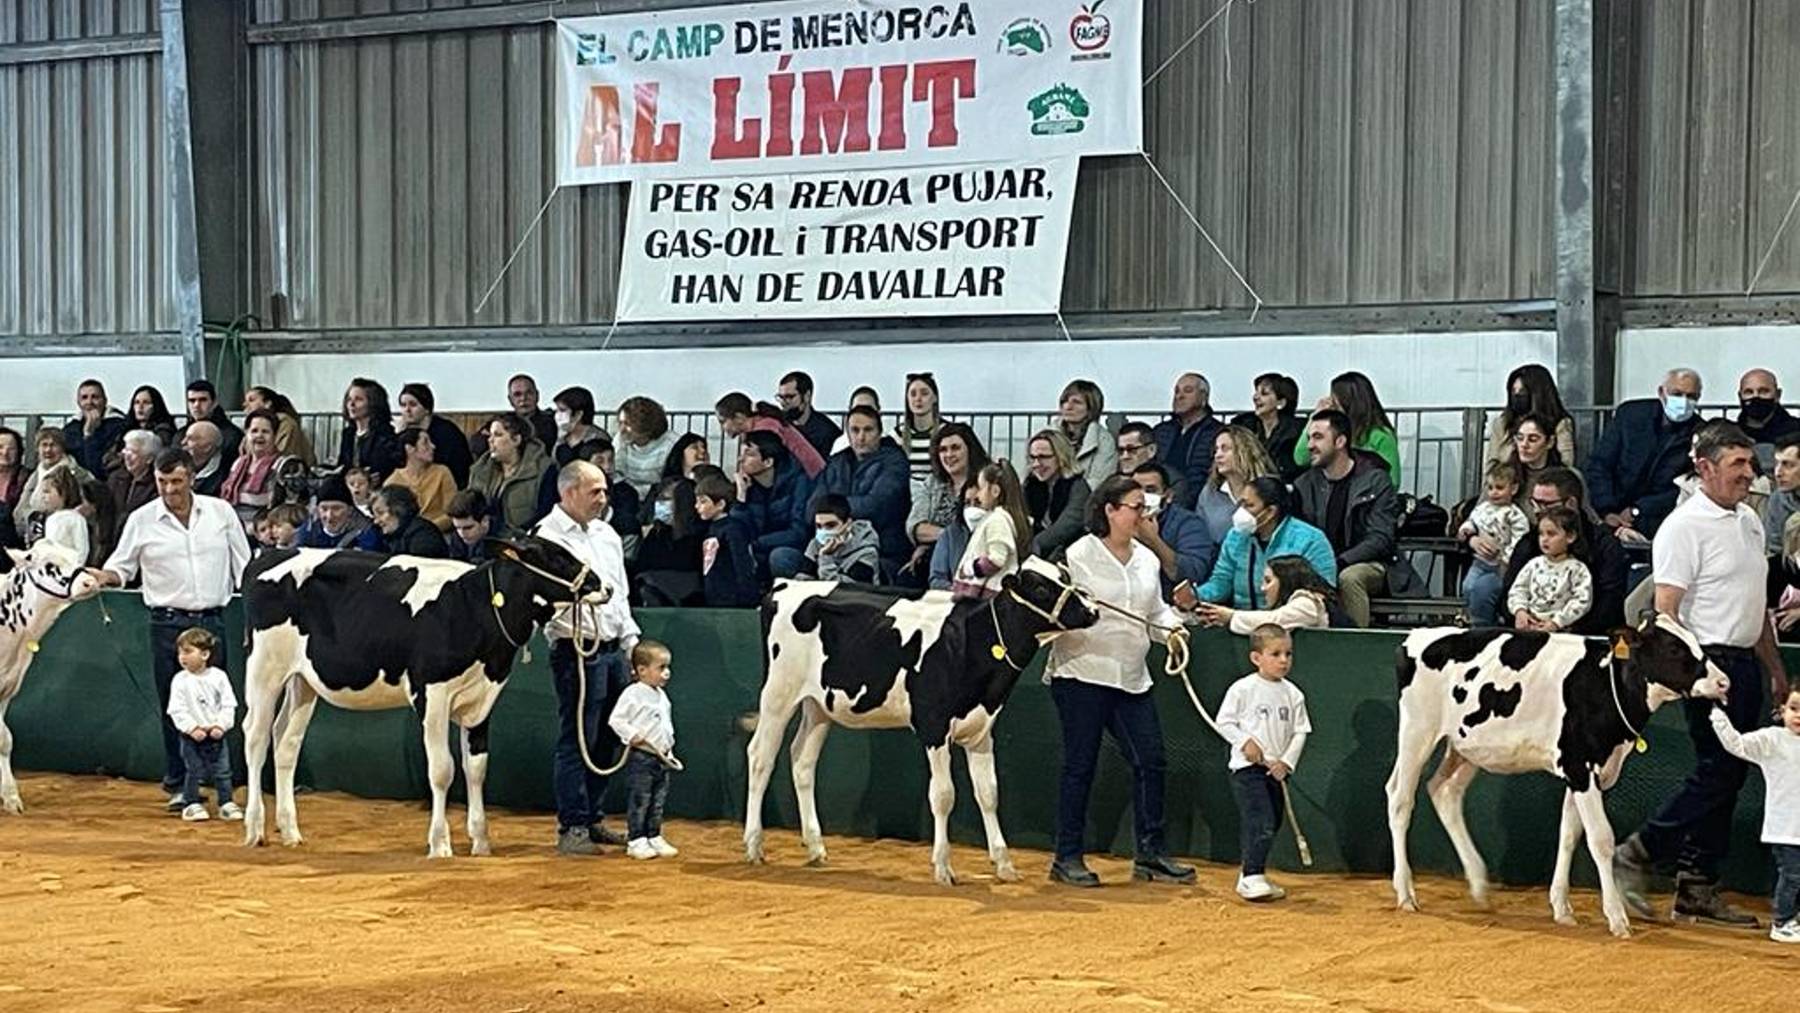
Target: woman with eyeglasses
1533 450
1101 684
1055 494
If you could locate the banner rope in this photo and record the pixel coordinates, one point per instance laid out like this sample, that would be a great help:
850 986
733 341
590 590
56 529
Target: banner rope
529 229
1195 222
1764 262
1191 39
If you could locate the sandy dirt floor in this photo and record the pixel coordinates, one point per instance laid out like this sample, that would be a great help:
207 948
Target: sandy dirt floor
108 904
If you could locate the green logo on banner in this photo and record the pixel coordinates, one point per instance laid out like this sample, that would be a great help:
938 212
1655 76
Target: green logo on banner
1060 110
1025 37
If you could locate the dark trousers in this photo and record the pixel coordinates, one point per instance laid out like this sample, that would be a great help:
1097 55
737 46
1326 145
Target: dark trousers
205 762
1693 828
1259 815
1786 904
648 783
578 789
1087 711
165 626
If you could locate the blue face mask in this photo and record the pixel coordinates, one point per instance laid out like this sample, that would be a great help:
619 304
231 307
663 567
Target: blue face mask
823 535
1677 408
664 511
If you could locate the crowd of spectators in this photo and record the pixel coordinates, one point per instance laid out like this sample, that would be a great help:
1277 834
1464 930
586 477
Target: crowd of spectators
1278 511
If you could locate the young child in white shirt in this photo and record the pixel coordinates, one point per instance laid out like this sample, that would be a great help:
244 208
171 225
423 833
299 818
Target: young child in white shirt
203 708
999 533
1554 590
1777 752
643 722
1498 519
1264 719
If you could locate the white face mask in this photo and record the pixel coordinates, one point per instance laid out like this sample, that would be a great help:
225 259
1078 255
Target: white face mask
565 420
1678 407
1152 504
1243 522
974 515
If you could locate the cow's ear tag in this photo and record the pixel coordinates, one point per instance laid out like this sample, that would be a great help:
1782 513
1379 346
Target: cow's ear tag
499 600
1622 651
1642 746
32 646
999 652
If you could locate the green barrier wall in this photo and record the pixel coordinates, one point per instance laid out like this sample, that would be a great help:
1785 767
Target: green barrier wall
87 707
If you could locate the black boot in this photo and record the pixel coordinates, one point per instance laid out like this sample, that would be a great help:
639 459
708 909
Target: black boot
1161 869
1072 872
1698 900
1632 869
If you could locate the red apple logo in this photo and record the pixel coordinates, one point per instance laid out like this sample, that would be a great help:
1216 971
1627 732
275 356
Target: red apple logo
1090 29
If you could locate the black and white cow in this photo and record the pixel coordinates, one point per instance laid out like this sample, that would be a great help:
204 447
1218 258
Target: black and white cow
35 588
876 658
372 632
1513 702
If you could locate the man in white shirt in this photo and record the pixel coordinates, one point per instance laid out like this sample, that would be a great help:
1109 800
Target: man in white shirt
190 551
1710 572
609 632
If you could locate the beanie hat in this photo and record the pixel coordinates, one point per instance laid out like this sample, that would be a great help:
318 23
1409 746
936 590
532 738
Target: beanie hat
334 490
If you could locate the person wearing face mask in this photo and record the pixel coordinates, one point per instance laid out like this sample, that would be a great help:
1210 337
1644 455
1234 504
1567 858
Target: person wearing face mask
1761 415
574 414
1531 393
947 551
1177 536
1262 529
999 533
666 572
1632 471
841 548
795 392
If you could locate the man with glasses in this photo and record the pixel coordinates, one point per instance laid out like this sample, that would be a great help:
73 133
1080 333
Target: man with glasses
1136 444
796 396
1603 554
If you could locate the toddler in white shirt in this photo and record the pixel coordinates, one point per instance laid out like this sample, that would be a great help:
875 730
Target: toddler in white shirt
1777 752
644 723
1264 719
203 708
1554 590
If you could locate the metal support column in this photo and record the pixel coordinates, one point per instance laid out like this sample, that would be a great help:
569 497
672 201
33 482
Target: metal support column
178 159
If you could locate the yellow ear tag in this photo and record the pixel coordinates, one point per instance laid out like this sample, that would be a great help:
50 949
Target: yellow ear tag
1642 746
1622 651
998 651
32 646
499 600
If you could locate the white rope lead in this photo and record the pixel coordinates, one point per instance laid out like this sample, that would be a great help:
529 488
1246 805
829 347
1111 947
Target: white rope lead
529 229
1195 222
1771 250
1191 39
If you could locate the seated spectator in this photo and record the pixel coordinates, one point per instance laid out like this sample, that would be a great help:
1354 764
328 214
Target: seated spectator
1263 529
102 520
368 440
203 406
1184 441
150 412
362 489
842 548
919 426
948 550
872 475
1555 590
60 498
1178 538
290 434
1275 422
727 566
253 482
404 532
471 520
1762 417
522 395
956 456
134 484
1239 458
775 500
449 445
1784 584
1055 496
622 503
644 443
336 523
93 435
738 417
1784 497
52 455
431 483
689 450
861 396
1082 408
1305 601
1492 532
1354 395
1533 451
574 415
13 473
1136 444
1604 556
510 473
666 572
285 522
1632 470
202 442
1347 494
795 393
999 533
1531 394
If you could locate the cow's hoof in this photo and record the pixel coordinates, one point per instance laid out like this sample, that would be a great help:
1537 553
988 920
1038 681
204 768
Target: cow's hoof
1620 929
480 849
438 852
1565 919
816 860
1480 899
944 876
1409 904
13 805
1005 873
292 840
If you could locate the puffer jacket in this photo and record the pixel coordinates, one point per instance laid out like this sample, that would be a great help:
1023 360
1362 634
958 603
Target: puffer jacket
512 498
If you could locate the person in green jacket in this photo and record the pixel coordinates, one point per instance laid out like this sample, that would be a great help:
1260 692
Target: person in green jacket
1371 430
509 474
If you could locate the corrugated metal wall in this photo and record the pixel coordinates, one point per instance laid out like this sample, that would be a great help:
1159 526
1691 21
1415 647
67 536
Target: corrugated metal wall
84 244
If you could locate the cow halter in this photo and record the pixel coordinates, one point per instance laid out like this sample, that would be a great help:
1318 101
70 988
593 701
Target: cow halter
1000 650
496 600
1614 673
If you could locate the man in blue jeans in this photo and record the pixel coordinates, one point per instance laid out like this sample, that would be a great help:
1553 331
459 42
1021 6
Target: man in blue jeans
607 634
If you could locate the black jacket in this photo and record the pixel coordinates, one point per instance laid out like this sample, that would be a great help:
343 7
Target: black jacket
1058 512
1605 558
1280 443
377 451
90 450
417 537
730 580
821 432
1372 514
1636 462
450 448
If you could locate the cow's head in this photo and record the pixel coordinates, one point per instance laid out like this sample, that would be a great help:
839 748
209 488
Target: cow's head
1045 590
53 571
1670 661
549 573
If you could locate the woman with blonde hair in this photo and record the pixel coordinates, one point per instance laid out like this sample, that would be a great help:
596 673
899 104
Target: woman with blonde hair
1055 493
1239 458
1081 406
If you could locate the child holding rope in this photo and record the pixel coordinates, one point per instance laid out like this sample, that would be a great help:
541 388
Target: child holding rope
643 722
1264 718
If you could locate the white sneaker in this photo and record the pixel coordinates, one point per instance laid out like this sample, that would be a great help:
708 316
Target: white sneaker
1258 889
194 813
176 802
1786 932
640 849
230 811
663 848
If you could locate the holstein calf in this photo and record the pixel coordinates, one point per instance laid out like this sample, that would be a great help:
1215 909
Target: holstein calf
372 632
875 658
1515 702
35 588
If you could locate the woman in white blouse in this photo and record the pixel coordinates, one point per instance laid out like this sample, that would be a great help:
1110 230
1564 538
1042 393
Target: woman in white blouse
1100 684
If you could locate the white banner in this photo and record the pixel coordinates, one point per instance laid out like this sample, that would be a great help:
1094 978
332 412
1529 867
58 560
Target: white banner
796 86
953 240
